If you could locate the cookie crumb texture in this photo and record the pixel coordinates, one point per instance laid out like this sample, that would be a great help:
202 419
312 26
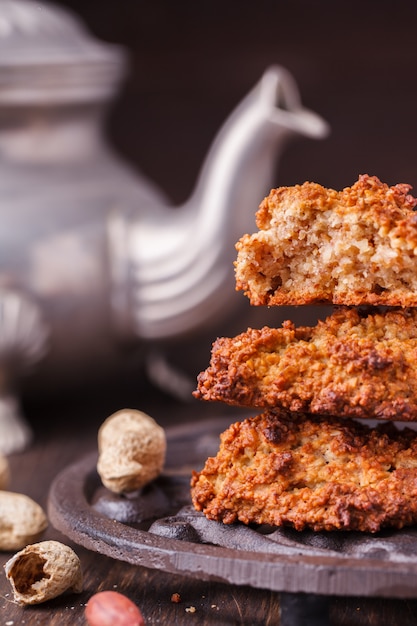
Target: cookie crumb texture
353 247
303 471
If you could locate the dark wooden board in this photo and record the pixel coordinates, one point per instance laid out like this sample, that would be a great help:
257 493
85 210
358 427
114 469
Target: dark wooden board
66 434
174 538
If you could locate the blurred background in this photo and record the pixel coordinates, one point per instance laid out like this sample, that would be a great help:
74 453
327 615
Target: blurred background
191 63
355 64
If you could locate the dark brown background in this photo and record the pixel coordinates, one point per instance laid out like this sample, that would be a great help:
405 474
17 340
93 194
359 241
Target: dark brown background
192 61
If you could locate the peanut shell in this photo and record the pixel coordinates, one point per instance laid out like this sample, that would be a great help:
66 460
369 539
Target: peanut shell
44 571
132 449
22 520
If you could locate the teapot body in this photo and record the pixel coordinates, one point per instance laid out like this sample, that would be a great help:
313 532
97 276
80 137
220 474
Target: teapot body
100 252
59 188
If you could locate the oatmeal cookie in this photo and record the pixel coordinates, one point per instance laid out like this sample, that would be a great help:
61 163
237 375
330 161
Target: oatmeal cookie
316 472
352 364
351 247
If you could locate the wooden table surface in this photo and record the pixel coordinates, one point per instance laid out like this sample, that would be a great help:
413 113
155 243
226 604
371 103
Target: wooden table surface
64 432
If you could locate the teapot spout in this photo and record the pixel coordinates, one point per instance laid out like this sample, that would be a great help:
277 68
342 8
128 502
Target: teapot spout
279 93
240 167
179 263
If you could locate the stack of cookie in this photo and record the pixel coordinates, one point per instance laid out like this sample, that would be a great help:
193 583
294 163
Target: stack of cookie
315 457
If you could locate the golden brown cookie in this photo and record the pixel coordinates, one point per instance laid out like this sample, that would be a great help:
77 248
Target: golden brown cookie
314 472
349 365
353 247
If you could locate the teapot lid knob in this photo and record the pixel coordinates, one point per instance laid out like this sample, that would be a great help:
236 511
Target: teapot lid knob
47 56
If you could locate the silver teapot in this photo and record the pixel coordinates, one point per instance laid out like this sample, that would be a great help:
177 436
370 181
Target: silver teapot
92 253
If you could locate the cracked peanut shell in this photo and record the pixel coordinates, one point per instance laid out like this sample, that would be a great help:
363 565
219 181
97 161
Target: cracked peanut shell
44 571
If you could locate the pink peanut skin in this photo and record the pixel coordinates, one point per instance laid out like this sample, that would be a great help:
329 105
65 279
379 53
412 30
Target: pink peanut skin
111 608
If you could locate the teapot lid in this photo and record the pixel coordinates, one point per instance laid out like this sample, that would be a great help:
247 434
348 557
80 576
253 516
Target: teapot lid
47 56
